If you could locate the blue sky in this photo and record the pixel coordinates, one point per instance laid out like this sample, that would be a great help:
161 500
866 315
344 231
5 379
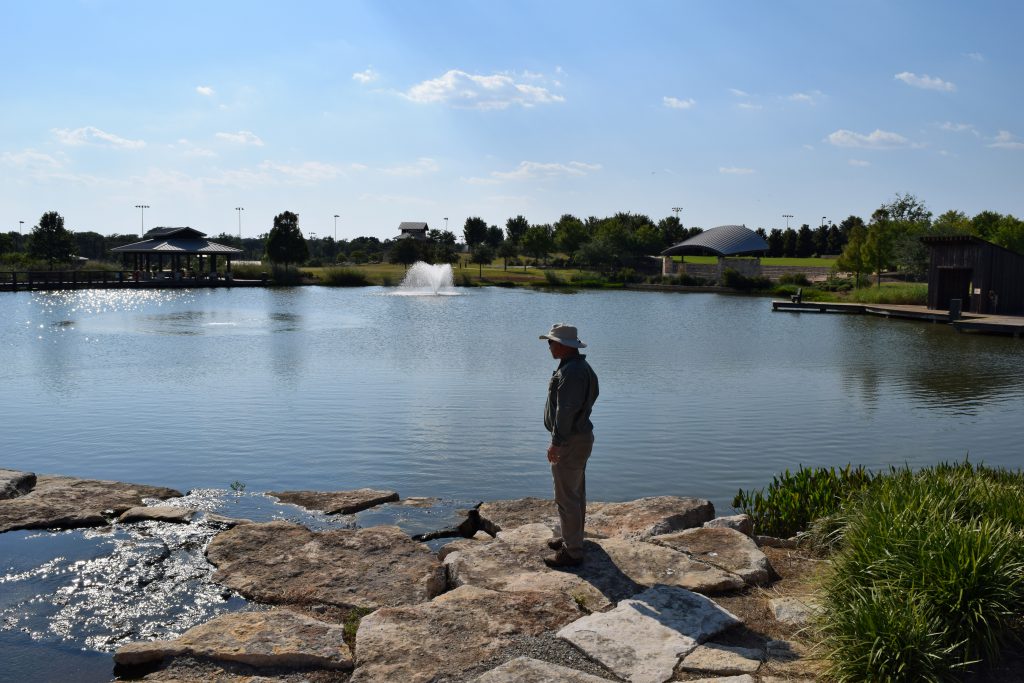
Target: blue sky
384 111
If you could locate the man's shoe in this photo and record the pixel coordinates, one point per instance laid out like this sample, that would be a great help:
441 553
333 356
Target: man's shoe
562 559
556 543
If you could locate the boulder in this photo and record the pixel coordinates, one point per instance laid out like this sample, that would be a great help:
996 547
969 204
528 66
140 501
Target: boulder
513 561
157 513
529 670
794 611
741 523
336 502
14 483
278 638
722 547
635 519
722 660
451 635
280 562
649 564
642 639
70 503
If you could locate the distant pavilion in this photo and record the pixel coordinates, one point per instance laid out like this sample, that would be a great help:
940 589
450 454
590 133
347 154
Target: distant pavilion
723 241
177 247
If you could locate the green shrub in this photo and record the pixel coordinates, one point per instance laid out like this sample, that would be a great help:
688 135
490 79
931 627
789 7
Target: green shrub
793 501
551 279
343 277
912 293
286 276
798 279
929 578
249 271
735 280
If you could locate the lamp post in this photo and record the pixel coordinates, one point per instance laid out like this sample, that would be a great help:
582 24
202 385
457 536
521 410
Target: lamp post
823 221
20 223
142 209
787 216
676 210
335 227
239 209
446 223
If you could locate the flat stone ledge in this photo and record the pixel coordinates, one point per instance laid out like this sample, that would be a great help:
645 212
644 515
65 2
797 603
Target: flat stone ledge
722 547
336 502
70 503
281 563
528 670
157 513
722 660
277 638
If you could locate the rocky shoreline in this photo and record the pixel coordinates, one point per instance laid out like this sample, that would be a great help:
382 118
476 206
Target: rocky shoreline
373 604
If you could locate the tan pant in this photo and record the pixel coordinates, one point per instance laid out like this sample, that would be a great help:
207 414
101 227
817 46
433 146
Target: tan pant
570 477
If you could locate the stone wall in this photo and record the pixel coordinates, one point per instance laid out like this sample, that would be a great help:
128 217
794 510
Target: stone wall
746 266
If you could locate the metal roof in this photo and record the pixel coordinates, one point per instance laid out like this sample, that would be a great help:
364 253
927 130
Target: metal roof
725 240
180 232
177 245
411 225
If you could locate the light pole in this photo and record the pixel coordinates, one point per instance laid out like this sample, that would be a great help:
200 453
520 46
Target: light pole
335 227
446 223
239 209
20 223
787 216
142 208
823 221
676 210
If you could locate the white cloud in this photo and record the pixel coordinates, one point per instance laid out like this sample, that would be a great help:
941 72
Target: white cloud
205 90
191 149
810 97
749 105
738 93
242 137
90 135
306 172
735 170
1007 140
879 139
532 170
676 103
473 91
30 159
924 81
858 162
419 167
959 127
367 76
975 56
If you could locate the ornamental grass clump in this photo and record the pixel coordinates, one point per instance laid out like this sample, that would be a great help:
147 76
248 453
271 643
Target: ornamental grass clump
928 581
343 277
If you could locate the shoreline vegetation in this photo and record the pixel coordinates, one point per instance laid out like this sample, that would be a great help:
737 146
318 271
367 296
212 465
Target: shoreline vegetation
924 575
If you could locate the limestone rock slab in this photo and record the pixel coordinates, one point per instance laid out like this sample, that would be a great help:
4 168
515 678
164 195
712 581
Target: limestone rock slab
649 564
280 562
157 513
741 523
336 502
69 503
642 639
529 670
279 638
794 611
722 660
637 519
14 483
513 561
722 547
452 634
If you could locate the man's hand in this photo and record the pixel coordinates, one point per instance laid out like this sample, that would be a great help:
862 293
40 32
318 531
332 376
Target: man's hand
554 453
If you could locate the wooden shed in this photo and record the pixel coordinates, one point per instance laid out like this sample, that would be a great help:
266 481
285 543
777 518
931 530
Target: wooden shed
985 277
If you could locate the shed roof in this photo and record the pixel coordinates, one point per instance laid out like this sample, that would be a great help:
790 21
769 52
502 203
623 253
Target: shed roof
412 225
933 240
725 240
184 240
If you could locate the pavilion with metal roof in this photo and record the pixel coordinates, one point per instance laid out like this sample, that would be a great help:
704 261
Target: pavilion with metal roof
177 247
725 240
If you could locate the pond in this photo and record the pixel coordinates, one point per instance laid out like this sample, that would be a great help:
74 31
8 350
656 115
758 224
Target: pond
442 396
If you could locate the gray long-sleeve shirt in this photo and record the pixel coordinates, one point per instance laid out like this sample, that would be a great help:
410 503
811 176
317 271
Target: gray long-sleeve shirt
572 391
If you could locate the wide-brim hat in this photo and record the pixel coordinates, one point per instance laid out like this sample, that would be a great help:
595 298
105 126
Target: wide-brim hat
565 335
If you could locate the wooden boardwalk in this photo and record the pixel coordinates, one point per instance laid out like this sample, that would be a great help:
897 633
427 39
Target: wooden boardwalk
968 322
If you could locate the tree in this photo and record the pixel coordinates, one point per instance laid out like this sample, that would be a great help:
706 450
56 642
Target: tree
906 221
952 223
672 231
507 250
443 242
538 241
775 240
483 254
285 243
789 242
405 251
852 259
879 243
515 228
50 240
494 237
474 231
570 233
597 254
804 241
1009 234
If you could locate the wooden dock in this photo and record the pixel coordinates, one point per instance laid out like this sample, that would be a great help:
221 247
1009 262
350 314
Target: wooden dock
968 322
48 280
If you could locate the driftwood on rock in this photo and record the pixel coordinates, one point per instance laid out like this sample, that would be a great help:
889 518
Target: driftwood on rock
336 502
69 503
280 562
468 528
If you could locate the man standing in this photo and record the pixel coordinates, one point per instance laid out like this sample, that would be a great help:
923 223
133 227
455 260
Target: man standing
571 394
